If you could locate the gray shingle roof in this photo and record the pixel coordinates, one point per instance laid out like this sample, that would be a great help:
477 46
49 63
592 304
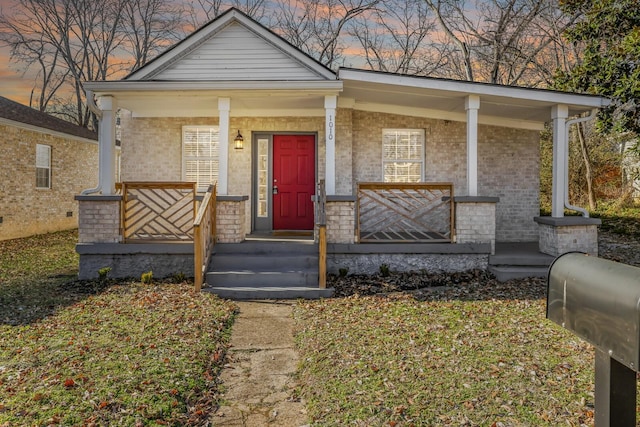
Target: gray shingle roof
17 112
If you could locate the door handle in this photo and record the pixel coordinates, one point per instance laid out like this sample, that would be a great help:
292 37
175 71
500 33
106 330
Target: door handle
275 189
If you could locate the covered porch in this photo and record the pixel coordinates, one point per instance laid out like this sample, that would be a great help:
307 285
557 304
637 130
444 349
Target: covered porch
432 171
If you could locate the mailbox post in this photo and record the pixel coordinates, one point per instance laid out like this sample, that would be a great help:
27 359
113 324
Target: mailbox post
599 300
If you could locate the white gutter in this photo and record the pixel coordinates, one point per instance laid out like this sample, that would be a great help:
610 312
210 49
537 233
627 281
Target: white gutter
91 104
568 123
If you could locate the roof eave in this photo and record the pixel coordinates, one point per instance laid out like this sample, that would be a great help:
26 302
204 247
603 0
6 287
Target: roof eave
475 88
122 86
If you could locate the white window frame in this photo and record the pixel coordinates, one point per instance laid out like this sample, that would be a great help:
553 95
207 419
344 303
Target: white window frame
43 164
421 161
215 157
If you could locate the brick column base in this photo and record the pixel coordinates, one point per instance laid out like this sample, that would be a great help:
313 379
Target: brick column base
476 220
99 219
341 220
230 218
568 234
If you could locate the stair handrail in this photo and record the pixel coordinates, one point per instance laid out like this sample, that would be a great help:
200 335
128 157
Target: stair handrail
204 235
321 223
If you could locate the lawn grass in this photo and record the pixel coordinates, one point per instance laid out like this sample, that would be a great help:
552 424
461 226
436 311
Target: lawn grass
620 220
103 353
480 354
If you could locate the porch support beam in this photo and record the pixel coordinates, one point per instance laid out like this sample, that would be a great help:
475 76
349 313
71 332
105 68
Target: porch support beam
224 106
559 114
107 144
472 104
330 104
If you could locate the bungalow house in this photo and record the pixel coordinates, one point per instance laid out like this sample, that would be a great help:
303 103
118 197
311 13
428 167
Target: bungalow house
385 170
45 161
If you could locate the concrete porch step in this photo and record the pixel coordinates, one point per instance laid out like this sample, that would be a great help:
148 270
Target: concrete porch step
507 272
257 293
264 262
519 261
265 269
259 278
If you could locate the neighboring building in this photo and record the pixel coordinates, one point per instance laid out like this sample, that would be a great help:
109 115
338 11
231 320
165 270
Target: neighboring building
469 152
45 162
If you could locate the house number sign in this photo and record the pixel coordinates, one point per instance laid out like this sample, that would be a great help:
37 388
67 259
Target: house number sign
330 128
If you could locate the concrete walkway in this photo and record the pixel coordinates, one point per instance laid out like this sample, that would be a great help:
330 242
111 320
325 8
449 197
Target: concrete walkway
259 379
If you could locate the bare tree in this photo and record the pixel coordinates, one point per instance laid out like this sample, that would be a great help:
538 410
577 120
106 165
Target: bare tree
149 26
48 77
74 41
318 27
203 11
503 41
396 38
448 14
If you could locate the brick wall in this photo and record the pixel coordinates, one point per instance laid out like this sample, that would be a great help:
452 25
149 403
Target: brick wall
508 159
26 210
508 164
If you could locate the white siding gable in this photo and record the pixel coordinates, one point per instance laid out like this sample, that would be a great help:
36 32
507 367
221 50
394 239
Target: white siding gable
235 53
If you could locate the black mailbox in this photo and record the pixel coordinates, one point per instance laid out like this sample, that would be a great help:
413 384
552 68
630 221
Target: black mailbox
599 300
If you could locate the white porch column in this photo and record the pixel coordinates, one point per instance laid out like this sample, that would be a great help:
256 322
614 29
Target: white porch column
107 144
472 104
224 105
559 114
330 104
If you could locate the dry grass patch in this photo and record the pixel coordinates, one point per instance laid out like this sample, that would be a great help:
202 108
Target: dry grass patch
103 353
472 354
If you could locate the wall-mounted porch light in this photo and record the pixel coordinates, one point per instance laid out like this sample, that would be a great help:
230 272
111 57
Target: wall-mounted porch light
238 141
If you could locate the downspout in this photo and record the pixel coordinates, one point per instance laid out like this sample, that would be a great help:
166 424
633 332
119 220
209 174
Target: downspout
95 110
568 123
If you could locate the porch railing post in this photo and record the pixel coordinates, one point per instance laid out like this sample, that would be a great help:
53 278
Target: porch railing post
321 222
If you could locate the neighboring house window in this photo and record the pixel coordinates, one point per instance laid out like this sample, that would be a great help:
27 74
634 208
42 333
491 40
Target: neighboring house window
43 166
200 148
403 155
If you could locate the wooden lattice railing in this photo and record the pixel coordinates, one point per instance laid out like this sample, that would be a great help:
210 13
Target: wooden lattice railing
399 212
204 232
157 211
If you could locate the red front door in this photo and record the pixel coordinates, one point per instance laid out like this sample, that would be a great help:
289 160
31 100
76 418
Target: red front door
294 174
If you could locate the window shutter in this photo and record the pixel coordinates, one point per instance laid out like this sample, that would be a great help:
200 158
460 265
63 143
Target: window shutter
200 155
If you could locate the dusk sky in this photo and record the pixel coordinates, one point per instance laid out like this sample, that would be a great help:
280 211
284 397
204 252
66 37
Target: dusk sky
12 84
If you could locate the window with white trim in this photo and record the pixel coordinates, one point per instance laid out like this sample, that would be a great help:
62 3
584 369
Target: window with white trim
403 155
43 166
200 155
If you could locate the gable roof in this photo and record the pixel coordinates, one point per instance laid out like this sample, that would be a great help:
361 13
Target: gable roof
16 112
233 47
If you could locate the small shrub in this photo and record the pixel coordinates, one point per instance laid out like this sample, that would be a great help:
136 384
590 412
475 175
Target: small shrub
343 271
178 277
103 273
384 270
147 277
